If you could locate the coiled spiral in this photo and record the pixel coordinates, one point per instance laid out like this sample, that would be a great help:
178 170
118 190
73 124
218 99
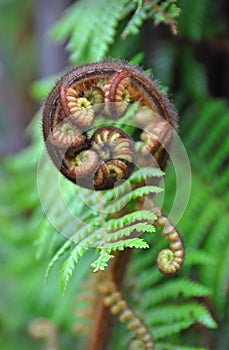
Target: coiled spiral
101 156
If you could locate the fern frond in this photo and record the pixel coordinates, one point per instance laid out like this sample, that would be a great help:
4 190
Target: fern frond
130 219
130 243
163 12
89 38
180 312
70 264
145 173
161 332
136 21
101 236
102 261
138 192
183 287
89 227
127 231
45 229
66 247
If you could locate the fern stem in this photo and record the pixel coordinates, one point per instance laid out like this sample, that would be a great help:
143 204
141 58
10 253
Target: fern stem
118 306
103 322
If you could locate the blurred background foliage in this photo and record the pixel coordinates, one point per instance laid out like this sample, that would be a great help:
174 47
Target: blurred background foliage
38 40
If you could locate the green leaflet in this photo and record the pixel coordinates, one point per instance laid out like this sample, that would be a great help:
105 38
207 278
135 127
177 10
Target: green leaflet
66 247
183 287
171 313
70 264
89 38
130 218
163 12
105 256
138 192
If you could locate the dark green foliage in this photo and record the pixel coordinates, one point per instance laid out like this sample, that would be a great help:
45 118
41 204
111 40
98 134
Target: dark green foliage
90 39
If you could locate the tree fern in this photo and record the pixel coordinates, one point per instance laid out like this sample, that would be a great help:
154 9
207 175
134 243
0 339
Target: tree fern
167 305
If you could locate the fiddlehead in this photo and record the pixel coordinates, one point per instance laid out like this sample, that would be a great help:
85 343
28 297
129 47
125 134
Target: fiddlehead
169 261
107 154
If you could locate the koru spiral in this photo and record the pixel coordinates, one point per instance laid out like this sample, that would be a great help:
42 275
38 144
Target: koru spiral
101 156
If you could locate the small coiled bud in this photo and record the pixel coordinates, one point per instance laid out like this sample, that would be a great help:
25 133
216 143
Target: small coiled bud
169 261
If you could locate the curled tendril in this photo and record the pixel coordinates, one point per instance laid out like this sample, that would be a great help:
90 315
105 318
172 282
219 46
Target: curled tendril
117 96
118 306
118 169
116 151
170 260
65 135
155 136
96 97
101 176
113 143
85 163
79 109
104 90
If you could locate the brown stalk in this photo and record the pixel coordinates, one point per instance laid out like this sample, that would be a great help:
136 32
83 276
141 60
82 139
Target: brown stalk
104 321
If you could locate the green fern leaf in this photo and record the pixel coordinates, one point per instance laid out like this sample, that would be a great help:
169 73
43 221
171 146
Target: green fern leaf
66 247
164 314
101 236
128 243
70 264
138 192
89 38
102 261
130 219
171 289
169 329
136 21
145 173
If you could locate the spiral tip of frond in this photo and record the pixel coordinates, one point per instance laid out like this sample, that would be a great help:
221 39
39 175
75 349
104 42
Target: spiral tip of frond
167 262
